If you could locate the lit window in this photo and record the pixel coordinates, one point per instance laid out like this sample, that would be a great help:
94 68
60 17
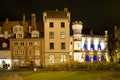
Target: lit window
99 47
51 45
22 62
62 34
51 35
19 35
51 59
37 43
30 53
62 45
92 46
16 62
37 62
62 24
51 25
15 53
37 52
85 47
22 52
63 58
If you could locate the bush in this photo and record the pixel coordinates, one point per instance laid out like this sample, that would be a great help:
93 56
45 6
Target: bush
86 66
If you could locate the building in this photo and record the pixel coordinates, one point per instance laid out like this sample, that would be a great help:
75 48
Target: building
31 43
87 48
56 36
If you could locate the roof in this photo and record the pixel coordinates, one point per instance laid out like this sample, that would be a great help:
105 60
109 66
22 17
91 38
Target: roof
56 14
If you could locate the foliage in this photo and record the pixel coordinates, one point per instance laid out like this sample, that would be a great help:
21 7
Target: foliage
76 66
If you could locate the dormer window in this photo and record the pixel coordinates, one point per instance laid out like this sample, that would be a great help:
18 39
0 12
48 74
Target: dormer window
35 34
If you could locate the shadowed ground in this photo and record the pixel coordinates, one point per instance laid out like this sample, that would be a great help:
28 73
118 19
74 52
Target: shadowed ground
59 75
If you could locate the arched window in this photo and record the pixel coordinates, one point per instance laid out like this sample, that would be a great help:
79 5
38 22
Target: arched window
102 57
92 46
85 46
87 59
94 58
99 47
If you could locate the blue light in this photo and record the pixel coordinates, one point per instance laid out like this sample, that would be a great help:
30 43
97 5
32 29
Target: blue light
94 58
102 57
99 47
87 58
92 46
85 47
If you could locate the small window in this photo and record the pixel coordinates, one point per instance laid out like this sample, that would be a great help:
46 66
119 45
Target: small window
62 34
30 43
51 59
51 35
51 25
21 43
15 43
63 58
30 53
51 45
22 52
62 24
37 43
62 45
37 52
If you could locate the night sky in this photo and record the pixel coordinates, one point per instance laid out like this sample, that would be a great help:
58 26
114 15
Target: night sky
95 14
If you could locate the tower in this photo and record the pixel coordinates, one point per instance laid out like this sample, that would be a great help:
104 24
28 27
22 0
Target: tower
77 41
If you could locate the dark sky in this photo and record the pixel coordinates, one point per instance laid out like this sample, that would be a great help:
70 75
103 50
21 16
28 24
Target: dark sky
95 14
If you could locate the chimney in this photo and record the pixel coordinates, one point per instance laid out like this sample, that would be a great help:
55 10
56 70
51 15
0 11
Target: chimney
24 19
7 20
115 34
66 9
33 21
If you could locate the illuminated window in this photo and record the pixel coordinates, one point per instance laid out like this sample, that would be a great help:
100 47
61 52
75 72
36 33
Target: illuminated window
87 59
102 58
16 62
51 35
22 52
62 35
15 53
63 58
62 24
37 43
62 45
99 47
85 46
37 52
51 25
92 46
19 35
51 45
94 58
30 53
37 62
51 59
22 62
